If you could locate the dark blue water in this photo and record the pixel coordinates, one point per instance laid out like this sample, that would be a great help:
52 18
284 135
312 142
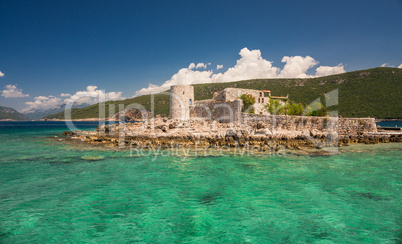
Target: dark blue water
397 123
46 125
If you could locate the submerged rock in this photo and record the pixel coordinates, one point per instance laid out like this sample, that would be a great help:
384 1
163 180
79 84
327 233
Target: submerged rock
371 196
92 158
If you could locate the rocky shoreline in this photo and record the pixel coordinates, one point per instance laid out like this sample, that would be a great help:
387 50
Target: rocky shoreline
165 133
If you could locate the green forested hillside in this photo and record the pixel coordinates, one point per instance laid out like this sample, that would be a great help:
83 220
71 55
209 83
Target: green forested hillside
367 93
10 113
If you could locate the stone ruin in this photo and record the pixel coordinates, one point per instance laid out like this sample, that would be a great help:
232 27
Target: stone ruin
225 106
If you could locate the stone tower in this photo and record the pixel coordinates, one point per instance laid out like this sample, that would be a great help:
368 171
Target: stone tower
181 100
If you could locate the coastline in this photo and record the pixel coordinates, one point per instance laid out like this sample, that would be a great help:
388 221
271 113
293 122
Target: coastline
111 119
381 120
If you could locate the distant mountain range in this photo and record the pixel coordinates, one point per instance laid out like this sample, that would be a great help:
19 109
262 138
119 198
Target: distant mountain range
41 113
12 114
375 93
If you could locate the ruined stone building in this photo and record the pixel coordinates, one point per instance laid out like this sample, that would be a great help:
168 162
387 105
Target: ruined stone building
225 106
181 100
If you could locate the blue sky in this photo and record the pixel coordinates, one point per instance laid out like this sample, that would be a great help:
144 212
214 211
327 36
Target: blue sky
52 47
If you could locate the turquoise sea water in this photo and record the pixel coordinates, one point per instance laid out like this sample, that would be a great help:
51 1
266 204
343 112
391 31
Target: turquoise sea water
51 192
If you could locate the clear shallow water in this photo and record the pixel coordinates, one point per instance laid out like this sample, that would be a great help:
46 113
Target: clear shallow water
51 192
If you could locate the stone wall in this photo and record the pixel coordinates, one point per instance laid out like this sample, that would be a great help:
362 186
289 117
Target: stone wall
303 123
232 94
359 125
213 110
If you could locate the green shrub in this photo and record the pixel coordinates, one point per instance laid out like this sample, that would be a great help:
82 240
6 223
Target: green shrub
316 109
275 107
289 108
248 101
294 109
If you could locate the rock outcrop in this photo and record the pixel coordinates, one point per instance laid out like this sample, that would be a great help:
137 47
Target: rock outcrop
166 133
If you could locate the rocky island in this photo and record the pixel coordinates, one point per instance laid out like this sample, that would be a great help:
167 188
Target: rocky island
222 122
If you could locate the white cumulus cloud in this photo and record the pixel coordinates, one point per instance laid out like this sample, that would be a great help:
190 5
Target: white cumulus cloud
201 65
185 76
1 74
387 65
92 95
328 70
12 91
297 66
400 66
41 102
251 65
